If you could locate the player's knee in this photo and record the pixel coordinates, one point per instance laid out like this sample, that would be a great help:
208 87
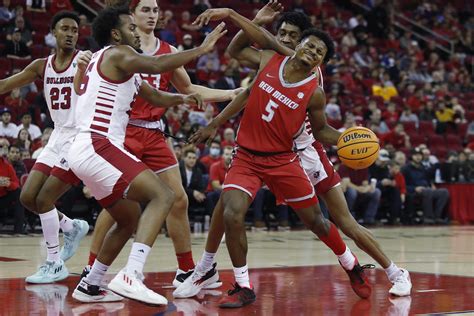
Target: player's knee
180 201
28 200
233 216
43 203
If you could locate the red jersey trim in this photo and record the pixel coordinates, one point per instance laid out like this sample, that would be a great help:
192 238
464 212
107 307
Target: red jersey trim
104 76
68 65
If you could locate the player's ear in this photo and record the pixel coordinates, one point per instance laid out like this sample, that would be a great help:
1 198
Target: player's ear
116 35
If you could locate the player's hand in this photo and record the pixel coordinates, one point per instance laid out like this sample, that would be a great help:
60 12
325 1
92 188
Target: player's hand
268 13
235 93
83 60
203 134
212 15
211 38
194 98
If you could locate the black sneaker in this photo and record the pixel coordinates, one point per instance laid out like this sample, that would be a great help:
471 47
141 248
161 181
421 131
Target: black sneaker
238 297
88 293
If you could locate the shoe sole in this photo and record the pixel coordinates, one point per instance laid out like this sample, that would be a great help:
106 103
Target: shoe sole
51 281
81 297
210 286
400 294
116 288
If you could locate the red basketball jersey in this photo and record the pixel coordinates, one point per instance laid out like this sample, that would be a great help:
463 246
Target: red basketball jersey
141 109
276 110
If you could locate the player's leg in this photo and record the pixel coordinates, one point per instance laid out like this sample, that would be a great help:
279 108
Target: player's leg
102 225
32 186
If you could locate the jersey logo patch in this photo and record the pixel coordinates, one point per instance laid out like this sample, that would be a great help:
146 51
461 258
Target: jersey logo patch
300 95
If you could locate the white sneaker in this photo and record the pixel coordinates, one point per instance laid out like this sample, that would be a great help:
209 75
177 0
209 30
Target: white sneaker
73 238
49 272
196 282
88 293
181 276
402 284
131 286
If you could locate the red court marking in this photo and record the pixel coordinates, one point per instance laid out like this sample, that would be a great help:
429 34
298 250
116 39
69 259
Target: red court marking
315 290
6 259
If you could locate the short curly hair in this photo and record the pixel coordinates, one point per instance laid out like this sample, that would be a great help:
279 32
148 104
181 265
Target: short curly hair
325 38
108 19
64 15
298 19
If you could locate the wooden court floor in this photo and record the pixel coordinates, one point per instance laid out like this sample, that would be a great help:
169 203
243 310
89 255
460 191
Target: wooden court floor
292 272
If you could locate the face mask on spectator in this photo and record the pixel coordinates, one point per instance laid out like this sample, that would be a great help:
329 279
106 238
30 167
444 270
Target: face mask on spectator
214 152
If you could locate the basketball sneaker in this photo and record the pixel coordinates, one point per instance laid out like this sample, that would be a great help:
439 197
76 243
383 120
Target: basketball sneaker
181 276
130 285
49 272
402 284
238 297
197 281
86 271
73 238
359 281
88 293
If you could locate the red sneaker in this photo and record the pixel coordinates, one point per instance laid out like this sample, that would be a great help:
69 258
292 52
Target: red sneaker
359 282
238 297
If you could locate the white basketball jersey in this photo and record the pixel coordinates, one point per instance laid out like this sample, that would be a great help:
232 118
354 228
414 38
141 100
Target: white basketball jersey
306 137
59 92
103 105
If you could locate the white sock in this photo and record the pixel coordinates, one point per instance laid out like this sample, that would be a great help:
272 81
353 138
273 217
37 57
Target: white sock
392 271
97 273
206 261
50 227
137 257
66 224
347 259
242 276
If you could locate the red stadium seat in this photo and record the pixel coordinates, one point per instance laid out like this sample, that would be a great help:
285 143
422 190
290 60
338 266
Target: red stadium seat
409 127
416 139
426 128
436 140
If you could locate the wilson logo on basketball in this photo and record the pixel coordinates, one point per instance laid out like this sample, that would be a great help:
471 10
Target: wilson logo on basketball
355 136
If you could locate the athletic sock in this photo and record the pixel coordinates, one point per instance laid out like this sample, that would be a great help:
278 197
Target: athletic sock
137 258
206 261
392 271
50 227
242 276
66 224
334 241
347 259
92 257
185 261
97 273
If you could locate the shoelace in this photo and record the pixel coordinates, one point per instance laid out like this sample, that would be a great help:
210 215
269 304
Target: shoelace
45 267
236 289
401 278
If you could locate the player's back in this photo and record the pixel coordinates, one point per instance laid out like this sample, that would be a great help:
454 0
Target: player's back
59 91
103 105
141 109
275 112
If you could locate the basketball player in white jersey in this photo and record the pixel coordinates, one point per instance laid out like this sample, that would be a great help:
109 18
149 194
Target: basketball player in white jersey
155 152
50 177
116 178
315 163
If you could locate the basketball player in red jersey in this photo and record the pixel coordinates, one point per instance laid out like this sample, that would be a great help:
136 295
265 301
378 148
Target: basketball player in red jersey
289 29
284 90
49 178
145 140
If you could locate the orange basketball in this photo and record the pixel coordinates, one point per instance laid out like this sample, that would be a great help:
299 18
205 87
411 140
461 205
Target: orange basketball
358 147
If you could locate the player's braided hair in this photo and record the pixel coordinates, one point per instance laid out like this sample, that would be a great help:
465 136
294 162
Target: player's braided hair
108 19
325 38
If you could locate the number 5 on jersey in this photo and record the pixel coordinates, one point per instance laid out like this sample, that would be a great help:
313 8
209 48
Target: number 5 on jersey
270 111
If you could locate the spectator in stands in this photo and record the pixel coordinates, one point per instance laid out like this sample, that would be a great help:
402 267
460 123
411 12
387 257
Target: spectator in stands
362 57
44 141
6 14
214 155
25 154
186 23
187 43
33 130
397 137
419 184
371 110
390 115
263 197
50 40
14 158
349 122
245 83
36 5
444 117
25 33
409 116
378 126
16 103
333 110
217 174
10 195
16 48
209 62
349 40
229 138
191 177
60 5
23 140
226 82
428 113
200 6
360 193
463 169
178 150
390 194
4 145
7 128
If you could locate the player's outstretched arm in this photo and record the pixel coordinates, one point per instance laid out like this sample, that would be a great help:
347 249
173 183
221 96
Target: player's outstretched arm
28 75
165 99
234 107
317 117
130 62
